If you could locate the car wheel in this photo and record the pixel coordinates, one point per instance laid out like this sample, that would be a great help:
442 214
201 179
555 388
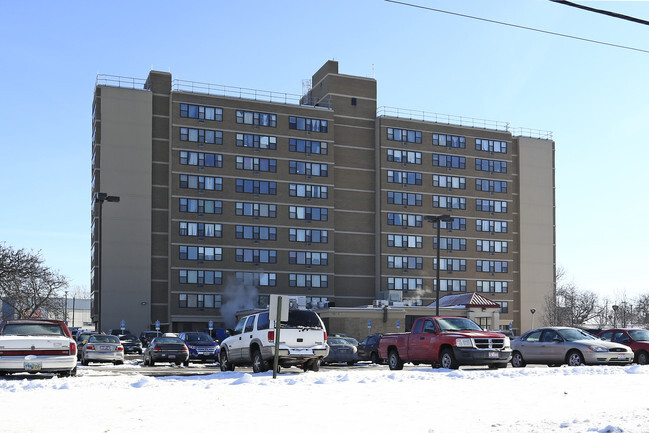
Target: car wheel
258 363
574 358
145 361
497 365
118 362
225 362
84 361
517 360
642 358
186 363
447 360
394 361
151 361
375 358
178 363
350 363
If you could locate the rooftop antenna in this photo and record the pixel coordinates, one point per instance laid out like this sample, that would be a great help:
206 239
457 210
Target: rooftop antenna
373 71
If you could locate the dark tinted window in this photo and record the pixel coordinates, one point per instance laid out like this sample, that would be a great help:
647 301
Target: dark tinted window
250 324
262 321
302 318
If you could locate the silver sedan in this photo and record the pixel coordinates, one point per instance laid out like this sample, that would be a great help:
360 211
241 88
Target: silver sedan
102 348
555 346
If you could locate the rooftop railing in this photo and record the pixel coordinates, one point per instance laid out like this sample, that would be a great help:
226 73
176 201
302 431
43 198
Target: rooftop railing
118 81
449 119
235 92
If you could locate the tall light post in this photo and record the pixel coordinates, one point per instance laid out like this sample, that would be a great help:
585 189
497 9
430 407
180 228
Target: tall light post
615 307
101 197
437 220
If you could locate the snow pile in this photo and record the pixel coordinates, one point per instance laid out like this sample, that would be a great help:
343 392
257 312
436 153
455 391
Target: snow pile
417 399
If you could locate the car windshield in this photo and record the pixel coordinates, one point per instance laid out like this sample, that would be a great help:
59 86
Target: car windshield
573 334
457 324
103 339
639 334
32 329
204 338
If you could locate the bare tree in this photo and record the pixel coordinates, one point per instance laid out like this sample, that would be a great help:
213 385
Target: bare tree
569 306
28 286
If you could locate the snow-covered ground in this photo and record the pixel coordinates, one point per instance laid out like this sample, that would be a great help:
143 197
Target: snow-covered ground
371 399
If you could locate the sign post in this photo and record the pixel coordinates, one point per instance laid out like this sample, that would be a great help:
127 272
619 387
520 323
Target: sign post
122 325
278 322
157 326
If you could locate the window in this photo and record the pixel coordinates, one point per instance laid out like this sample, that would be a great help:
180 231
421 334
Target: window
307 190
256 209
493 146
256 164
404 135
308 280
491 246
454 182
404 220
450 264
201 135
504 308
307 147
200 206
308 236
491 165
308 213
492 286
256 186
492 266
308 258
403 198
257 141
201 183
395 283
199 301
450 244
188 252
404 177
256 256
405 241
404 156
490 185
450 285
307 124
405 262
201 112
440 201
491 206
449 141
207 278
307 168
201 159
207 230
257 279
491 226
256 233
456 224
448 161
256 118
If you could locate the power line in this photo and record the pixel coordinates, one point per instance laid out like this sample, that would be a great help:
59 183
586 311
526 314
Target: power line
602 11
563 35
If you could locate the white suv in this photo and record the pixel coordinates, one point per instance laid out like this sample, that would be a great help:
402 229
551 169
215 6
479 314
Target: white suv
303 342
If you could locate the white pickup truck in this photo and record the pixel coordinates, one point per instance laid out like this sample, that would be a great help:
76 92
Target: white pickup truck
303 342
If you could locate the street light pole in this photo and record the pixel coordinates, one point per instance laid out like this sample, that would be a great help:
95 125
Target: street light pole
101 197
615 307
437 220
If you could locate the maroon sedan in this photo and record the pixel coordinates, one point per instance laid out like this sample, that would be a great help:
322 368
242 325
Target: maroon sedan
637 339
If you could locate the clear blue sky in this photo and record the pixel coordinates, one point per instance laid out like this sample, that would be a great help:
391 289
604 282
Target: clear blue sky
593 98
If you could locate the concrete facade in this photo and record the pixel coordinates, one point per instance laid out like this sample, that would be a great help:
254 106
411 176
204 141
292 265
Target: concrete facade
229 195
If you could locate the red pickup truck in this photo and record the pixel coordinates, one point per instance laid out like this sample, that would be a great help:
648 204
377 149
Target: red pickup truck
446 342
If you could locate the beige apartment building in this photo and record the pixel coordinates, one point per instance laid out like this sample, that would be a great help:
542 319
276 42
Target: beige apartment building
208 198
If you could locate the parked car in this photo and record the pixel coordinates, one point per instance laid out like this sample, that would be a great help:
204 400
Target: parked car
166 349
302 342
131 343
201 346
446 342
555 346
102 348
82 339
637 339
37 346
341 350
147 336
368 349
